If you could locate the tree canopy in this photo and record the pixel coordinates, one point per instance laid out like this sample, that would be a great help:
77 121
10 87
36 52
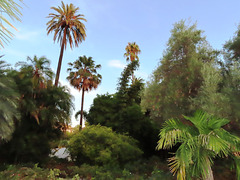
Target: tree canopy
178 77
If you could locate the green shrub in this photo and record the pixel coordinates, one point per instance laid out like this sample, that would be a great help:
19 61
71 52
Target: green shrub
99 145
18 172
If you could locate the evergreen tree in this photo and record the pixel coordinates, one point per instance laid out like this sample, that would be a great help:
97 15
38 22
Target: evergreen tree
178 77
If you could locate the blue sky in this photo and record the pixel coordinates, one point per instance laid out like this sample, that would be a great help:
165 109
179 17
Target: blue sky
110 25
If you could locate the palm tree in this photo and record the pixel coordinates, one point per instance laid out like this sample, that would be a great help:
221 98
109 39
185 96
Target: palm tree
83 76
201 140
11 9
38 96
68 28
132 51
40 68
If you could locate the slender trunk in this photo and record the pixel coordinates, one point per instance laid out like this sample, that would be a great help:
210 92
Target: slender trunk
81 117
132 59
60 58
209 175
132 78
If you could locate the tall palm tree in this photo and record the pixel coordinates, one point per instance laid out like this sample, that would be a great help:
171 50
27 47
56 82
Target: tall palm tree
12 10
201 140
132 51
83 76
68 28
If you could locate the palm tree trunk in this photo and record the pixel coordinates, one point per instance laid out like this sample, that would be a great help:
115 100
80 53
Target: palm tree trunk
81 117
132 77
60 59
209 175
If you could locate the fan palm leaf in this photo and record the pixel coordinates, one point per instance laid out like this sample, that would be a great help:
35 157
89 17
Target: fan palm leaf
83 76
200 142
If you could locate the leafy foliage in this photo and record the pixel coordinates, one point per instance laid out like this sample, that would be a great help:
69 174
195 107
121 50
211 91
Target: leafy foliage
44 112
219 93
99 145
178 77
8 103
123 113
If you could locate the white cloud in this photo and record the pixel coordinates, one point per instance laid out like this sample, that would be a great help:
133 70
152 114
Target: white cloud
116 64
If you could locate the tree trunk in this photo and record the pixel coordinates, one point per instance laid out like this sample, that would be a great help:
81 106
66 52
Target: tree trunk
209 175
133 78
81 117
60 59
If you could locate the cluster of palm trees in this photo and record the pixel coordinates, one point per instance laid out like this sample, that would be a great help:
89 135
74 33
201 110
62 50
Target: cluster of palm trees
69 29
200 142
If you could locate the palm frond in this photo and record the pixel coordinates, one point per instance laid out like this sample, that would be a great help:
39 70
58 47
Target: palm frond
12 10
173 132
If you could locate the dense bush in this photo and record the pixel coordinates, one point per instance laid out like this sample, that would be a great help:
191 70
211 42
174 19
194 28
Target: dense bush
44 110
99 145
18 172
107 111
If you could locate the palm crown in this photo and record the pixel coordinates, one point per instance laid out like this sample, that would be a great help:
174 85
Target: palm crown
67 26
85 77
200 142
132 51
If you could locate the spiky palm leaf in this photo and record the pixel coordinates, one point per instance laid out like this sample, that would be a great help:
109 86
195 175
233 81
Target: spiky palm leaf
200 142
12 10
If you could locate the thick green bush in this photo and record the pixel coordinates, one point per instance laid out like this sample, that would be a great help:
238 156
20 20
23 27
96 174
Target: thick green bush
99 145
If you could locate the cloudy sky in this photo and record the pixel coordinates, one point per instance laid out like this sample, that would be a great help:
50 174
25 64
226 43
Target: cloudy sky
110 25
